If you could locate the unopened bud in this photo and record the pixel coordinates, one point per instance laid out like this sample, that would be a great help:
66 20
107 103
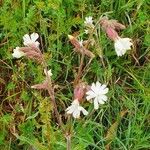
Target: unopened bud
70 37
112 34
79 91
79 47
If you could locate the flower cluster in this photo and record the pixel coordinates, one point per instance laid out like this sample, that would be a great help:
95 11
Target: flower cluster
110 27
96 93
31 49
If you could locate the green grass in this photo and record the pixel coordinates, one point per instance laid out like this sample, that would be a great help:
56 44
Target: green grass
26 117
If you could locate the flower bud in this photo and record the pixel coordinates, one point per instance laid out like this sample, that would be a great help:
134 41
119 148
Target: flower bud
112 34
79 91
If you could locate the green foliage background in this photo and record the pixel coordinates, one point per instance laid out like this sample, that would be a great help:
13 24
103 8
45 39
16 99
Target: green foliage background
26 120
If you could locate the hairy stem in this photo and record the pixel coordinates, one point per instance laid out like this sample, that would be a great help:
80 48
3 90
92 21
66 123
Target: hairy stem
50 90
79 70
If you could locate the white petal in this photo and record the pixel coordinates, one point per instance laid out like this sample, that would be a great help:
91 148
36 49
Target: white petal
122 45
31 40
37 44
34 37
49 72
104 97
70 110
101 99
17 53
76 114
75 109
93 87
119 49
104 91
91 94
89 22
84 111
89 97
97 88
96 103
103 86
26 38
98 85
74 106
86 31
101 102
75 102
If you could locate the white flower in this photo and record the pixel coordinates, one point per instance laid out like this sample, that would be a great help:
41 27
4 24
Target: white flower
89 22
17 53
97 94
49 72
31 40
75 109
122 45
86 31
81 42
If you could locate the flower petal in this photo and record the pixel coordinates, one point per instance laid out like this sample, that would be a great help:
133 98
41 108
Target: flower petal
91 94
34 37
76 114
96 103
89 97
98 84
83 110
122 45
70 110
104 91
37 44
104 97
100 100
31 40
93 87
17 53
26 38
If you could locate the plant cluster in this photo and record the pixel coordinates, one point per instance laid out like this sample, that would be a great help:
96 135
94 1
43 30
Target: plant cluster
77 79
96 93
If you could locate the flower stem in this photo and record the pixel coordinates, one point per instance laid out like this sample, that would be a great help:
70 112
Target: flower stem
83 55
68 137
50 90
79 70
